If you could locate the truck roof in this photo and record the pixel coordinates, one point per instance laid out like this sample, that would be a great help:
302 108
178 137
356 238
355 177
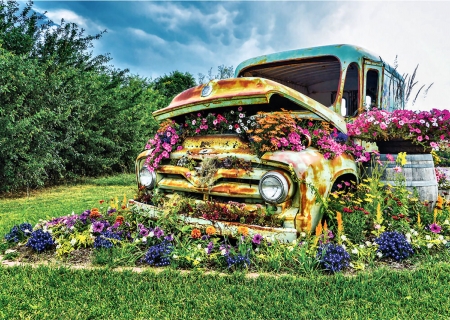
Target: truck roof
345 53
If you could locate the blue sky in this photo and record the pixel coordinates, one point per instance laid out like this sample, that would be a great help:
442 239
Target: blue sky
153 38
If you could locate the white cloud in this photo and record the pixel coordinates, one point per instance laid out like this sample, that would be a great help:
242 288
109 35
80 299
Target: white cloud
70 16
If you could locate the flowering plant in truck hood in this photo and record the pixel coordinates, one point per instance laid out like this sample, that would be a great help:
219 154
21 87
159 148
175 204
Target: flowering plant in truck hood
426 128
265 132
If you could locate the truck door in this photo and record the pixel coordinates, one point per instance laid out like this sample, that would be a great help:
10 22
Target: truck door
372 84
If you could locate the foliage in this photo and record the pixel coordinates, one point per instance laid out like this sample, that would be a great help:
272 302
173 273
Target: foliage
426 128
64 112
171 85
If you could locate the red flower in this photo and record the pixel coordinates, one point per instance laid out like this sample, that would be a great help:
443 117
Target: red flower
395 218
101 201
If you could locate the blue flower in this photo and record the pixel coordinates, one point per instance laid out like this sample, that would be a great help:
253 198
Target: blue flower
393 244
333 257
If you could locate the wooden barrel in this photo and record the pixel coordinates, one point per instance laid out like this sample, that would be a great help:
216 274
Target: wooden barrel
418 172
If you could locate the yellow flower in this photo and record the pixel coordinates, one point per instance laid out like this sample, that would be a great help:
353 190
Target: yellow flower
243 231
210 230
401 158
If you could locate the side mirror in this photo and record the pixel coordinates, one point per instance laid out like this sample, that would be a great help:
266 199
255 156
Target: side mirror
343 108
368 102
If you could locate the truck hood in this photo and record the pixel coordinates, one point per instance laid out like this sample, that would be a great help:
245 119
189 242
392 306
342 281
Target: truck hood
243 92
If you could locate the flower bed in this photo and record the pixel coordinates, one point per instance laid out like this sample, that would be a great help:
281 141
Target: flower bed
365 224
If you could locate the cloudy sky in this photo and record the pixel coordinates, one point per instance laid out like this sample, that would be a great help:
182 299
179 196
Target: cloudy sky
153 38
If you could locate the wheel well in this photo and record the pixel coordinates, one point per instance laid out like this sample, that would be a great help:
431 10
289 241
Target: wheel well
348 177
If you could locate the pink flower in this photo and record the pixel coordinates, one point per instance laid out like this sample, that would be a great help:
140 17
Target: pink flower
419 138
240 109
398 169
390 157
179 148
435 228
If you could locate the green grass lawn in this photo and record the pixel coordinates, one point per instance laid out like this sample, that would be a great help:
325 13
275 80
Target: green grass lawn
62 293
63 200
54 292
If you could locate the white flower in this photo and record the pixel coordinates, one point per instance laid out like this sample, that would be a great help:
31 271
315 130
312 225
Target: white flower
429 245
137 240
343 237
198 259
73 242
238 130
441 237
355 251
294 242
223 252
427 237
206 250
446 222
368 243
144 239
257 249
303 234
379 254
361 246
245 128
10 251
232 112
199 246
73 213
151 234
351 265
291 249
58 246
230 127
175 256
344 246
248 121
444 241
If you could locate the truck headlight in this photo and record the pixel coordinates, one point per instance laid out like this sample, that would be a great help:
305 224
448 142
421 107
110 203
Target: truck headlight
147 178
273 187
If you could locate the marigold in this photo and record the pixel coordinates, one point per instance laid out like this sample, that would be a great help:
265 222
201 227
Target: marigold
120 220
196 234
210 230
243 231
94 213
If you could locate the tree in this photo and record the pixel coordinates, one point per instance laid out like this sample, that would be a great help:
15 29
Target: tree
223 72
171 85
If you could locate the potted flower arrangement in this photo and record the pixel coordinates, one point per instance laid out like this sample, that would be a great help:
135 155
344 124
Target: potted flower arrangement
426 129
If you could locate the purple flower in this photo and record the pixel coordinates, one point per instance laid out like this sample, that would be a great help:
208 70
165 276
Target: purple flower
210 247
257 238
158 232
144 232
111 211
169 237
97 226
435 228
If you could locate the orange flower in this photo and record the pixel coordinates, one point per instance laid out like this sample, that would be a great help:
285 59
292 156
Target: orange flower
196 234
210 230
243 231
318 229
94 213
120 220
340 225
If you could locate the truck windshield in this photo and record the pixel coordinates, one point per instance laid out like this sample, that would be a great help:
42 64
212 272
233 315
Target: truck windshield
318 77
